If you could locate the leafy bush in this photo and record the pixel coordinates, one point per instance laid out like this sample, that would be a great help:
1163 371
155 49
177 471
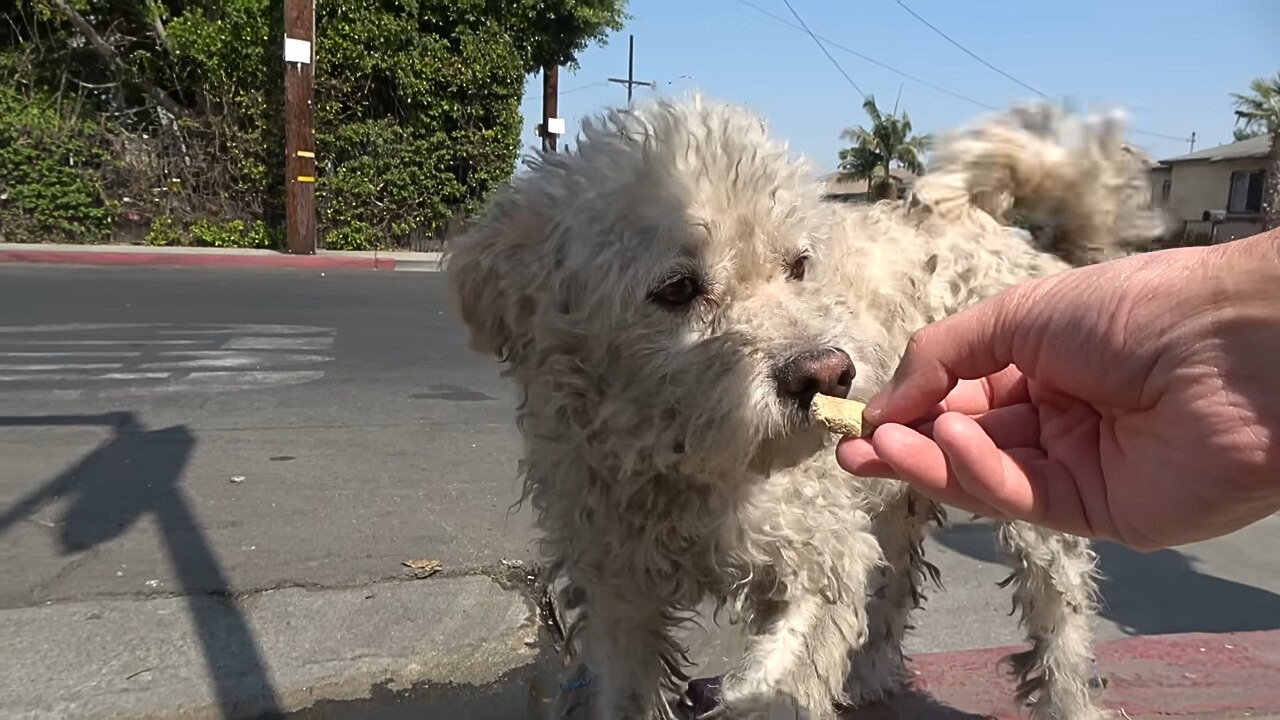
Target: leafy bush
52 186
181 120
203 233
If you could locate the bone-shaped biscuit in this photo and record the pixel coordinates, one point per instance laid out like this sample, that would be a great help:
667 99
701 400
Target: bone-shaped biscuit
838 415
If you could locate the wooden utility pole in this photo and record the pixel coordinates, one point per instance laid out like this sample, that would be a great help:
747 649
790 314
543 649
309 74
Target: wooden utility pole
550 108
299 126
630 82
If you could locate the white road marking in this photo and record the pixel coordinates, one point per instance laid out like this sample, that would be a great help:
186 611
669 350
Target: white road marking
66 366
173 328
279 343
129 343
68 354
245 330
213 382
39 378
234 360
199 353
66 327
156 358
255 378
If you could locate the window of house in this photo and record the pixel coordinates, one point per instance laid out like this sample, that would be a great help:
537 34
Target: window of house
1166 188
1245 195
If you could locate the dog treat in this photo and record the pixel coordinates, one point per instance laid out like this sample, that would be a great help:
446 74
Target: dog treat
840 416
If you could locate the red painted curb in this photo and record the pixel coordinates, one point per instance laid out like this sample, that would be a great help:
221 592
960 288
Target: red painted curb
181 259
1198 675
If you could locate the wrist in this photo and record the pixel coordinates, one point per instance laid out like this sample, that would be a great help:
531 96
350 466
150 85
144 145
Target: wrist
1247 282
1252 264
1243 278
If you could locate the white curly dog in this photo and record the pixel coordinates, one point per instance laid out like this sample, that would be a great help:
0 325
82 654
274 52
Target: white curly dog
669 296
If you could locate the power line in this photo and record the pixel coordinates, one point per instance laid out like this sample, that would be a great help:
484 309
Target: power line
1158 135
978 103
823 48
530 98
584 87
867 58
974 55
966 50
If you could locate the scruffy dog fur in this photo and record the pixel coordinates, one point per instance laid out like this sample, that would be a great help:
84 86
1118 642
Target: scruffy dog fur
669 295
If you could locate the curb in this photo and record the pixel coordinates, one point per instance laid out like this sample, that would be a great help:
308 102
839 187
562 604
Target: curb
119 256
462 647
416 265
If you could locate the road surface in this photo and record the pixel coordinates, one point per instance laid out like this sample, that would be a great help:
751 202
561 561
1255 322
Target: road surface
262 449
365 432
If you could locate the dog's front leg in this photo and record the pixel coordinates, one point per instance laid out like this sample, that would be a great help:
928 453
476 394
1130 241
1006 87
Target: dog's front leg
802 631
630 658
796 660
1055 592
879 668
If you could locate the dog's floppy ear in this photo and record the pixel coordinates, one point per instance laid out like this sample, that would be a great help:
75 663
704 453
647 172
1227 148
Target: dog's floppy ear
493 267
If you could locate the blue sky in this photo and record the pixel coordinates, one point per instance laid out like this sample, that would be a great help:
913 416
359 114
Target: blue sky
1169 63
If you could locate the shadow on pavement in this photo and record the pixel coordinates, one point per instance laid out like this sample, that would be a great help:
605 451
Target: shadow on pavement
1149 594
135 473
914 705
507 698
702 693
527 693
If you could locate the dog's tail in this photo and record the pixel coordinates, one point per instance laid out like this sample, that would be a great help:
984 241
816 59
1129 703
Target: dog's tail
1073 182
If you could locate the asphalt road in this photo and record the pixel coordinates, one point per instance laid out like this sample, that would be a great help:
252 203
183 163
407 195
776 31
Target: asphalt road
196 430
188 430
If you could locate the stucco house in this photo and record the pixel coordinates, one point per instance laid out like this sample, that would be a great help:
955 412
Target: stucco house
1216 192
855 191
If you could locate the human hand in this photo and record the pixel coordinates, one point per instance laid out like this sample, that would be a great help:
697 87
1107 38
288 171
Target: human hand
1136 400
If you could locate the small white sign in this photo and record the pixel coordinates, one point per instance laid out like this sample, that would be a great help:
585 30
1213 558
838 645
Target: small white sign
296 50
555 126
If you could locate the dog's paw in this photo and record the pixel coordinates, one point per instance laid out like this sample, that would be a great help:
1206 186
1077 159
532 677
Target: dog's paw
768 707
702 696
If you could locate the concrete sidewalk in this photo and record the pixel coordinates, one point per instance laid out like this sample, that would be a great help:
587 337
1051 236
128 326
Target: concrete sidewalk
272 653
474 648
145 255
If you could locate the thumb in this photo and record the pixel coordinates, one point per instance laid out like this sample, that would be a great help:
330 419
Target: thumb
971 344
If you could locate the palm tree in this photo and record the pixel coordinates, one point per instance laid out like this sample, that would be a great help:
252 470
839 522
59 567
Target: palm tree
1271 189
1260 111
858 163
875 150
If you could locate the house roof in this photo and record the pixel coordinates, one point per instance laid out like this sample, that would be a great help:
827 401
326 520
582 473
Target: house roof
1255 147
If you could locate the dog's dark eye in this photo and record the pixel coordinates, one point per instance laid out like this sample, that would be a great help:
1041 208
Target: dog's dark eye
677 293
795 271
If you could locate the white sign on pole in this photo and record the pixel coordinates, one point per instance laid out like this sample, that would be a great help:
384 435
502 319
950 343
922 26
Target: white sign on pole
296 50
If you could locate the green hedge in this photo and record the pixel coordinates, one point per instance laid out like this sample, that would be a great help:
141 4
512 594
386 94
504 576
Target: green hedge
52 185
417 115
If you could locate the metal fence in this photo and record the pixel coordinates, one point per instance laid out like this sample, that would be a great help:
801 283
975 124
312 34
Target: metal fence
1212 232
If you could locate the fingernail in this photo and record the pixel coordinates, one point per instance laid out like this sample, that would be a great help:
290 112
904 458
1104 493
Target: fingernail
856 458
874 412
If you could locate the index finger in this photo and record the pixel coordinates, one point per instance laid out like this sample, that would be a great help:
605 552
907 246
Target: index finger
974 397
974 343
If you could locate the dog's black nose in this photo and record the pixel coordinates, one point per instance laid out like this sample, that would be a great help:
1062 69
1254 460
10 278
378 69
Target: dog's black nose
828 371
